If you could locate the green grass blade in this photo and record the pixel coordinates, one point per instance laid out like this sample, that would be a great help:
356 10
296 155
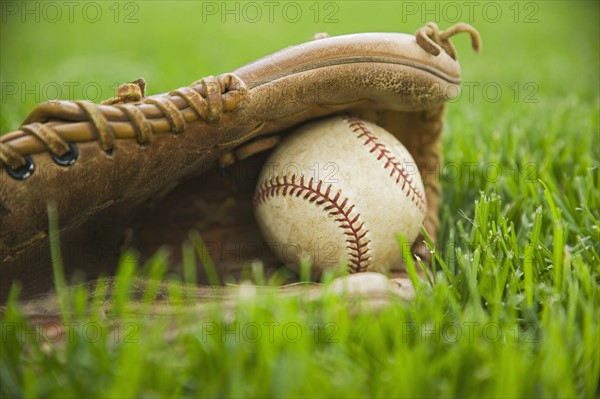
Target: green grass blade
190 275
558 238
58 273
408 260
207 262
528 261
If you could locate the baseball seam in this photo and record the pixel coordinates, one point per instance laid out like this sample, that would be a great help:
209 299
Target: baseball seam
354 230
397 170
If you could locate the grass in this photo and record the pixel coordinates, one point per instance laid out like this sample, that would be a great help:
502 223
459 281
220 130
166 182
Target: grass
512 307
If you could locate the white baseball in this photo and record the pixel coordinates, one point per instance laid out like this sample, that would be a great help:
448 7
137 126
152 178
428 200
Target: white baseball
337 191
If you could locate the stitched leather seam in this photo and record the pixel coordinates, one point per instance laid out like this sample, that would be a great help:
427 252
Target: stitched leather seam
358 60
320 194
397 170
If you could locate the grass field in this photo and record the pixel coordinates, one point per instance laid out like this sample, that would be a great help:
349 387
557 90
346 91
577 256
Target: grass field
513 309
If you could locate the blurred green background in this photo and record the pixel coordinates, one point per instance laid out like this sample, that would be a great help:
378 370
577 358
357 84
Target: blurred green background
74 50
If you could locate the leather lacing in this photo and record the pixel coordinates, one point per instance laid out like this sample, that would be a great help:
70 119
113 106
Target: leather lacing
208 98
432 40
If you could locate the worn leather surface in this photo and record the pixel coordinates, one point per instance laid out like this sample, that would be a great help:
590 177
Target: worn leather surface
133 150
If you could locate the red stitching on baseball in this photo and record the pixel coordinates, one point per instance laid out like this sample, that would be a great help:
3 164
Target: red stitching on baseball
415 196
353 227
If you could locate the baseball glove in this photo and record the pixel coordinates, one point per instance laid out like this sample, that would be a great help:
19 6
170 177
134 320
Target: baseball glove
141 172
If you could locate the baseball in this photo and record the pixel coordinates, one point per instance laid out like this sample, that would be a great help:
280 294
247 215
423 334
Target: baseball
337 191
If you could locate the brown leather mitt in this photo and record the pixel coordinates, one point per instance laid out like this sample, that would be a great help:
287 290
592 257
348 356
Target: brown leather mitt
141 172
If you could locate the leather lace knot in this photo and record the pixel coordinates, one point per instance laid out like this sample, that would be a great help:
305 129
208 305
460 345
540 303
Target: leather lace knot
432 40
